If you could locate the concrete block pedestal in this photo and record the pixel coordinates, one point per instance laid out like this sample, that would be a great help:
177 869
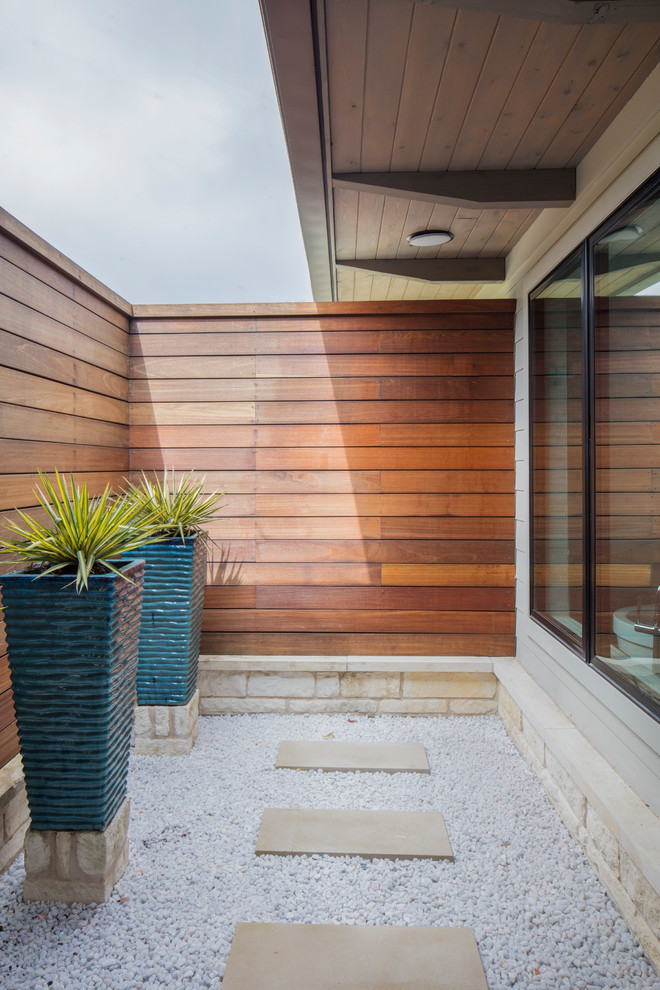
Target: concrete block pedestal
166 730
80 867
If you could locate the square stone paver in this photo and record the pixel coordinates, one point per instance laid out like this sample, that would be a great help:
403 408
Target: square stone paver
371 834
353 957
366 756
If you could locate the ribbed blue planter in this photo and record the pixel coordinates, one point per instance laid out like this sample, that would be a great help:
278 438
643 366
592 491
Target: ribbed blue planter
73 661
172 604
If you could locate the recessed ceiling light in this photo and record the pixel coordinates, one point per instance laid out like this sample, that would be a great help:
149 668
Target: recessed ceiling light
629 233
429 238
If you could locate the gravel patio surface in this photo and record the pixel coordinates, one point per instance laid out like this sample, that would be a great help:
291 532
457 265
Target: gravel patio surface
541 917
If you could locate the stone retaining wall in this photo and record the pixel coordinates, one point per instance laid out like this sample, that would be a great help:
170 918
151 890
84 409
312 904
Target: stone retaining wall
619 833
353 685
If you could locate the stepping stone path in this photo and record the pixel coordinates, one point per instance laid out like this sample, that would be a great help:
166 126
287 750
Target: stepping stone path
337 756
353 957
341 957
370 834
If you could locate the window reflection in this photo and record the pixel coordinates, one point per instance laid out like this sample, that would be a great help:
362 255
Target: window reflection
557 388
627 448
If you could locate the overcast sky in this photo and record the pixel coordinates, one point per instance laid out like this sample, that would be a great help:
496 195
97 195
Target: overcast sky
142 139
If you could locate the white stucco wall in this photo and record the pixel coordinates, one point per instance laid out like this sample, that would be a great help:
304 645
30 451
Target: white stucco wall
627 154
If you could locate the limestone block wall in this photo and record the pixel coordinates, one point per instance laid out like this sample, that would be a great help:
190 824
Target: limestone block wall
618 831
354 685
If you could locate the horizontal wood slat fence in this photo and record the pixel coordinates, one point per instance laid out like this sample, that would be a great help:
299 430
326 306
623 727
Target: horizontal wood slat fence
366 449
368 460
63 388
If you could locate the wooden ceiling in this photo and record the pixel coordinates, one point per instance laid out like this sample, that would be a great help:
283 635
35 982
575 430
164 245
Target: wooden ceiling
435 94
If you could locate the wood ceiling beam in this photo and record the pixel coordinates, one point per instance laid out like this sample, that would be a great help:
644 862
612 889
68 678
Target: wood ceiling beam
564 11
486 190
433 269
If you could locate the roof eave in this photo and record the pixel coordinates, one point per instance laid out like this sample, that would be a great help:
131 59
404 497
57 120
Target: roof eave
290 38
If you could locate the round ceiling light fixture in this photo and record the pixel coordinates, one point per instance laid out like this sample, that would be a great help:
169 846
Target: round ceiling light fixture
429 238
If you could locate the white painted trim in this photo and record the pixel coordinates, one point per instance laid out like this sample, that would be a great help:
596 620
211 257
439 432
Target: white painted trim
626 155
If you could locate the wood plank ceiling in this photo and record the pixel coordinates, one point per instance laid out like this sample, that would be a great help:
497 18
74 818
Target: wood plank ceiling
420 87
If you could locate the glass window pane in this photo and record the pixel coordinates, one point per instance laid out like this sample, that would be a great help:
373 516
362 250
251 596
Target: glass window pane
557 431
627 448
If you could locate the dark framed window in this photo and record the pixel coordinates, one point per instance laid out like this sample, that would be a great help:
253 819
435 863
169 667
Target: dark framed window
595 449
557 478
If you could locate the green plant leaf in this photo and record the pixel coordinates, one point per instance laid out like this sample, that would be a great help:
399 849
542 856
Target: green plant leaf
177 509
85 534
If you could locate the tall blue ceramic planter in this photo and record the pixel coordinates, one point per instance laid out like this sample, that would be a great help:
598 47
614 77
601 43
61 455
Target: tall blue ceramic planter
73 661
172 605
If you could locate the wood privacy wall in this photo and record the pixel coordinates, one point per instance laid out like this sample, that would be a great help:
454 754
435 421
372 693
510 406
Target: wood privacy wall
367 452
64 387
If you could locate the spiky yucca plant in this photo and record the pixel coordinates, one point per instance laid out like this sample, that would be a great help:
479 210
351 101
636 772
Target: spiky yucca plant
85 532
179 508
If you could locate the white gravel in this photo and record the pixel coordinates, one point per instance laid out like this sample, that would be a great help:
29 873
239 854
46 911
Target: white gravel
541 917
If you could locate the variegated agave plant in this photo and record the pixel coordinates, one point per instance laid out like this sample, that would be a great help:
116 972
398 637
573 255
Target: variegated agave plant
83 533
176 508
